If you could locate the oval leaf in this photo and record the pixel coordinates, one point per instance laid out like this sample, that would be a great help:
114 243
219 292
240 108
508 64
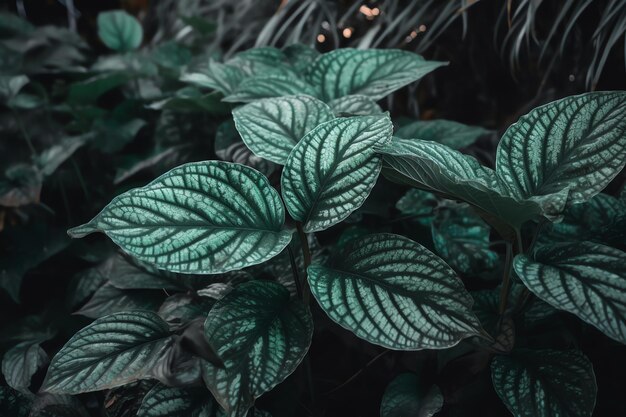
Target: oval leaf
585 278
20 363
393 292
119 31
545 383
261 335
271 127
112 351
205 217
164 401
332 170
406 397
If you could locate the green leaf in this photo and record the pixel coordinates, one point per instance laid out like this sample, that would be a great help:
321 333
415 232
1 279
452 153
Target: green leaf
265 86
20 186
575 145
461 238
453 134
13 403
229 147
262 61
354 106
272 127
373 72
112 351
108 300
405 397
261 335
205 217
20 363
300 56
418 204
393 292
164 401
332 170
584 278
53 157
220 77
545 383
119 31
88 91
179 309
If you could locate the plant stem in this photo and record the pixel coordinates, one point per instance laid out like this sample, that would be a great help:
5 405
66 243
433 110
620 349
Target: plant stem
306 253
506 280
294 270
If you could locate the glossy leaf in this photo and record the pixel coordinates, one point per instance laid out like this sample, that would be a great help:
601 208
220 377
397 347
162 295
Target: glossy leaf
332 170
164 401
20 363
447 132
261 335
373 72
110 352
575 145
393 292
405 396
272 127
266 86
119 31
206 217
220 77
545 383
418 204
585 278
356 105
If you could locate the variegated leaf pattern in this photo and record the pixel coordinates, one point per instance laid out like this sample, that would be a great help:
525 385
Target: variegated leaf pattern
261 61
332 170
545 383
355 105
453 134
405 396
110 352
20 363
272 127
374 72
393 292
204 217
300 56
585 278
261 335
164 401
276 85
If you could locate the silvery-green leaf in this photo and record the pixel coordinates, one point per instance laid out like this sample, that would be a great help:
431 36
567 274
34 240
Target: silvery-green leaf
373 72
119 31
300 56
20 363
393 292
229 147
585 278
271 127
265 86
332 170
545 383
205 217
453 134
418 204
108 300
112 351
461 238
355 105
261 335
405 396
217 76
14 403
575 145
164 401
261 61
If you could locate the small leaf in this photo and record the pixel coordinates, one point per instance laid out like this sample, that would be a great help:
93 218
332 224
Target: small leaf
584 278
119 31
108 300
575 145
164 401
110 352
374 72
261 335
545 383
220 77
266 86
418 204
272 127
405 397
205 217
453 134
332 170
354 106
20 363
393 292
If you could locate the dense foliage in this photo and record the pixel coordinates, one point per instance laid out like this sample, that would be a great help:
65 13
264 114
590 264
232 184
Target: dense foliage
263 233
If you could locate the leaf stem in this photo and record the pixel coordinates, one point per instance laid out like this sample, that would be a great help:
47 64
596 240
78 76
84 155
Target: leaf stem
306 253
506 280
294 270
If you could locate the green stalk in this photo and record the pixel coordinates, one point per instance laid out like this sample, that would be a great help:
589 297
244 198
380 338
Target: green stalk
306 253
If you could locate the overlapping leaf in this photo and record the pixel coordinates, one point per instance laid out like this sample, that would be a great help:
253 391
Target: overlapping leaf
332 170
393 292
220 77
276 85
406 396
108 300
164 401
206 217
355 105
418 204
453 134
20 363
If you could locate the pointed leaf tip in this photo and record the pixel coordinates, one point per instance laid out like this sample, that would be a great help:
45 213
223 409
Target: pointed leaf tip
82 230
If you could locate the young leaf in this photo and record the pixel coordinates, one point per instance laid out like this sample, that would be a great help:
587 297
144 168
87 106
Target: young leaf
119 31
205 217
374 72
393 292
405 396
110 352
585 278
272 127
265 86
545 383
20 363
575 145
164 401
354 106
261 335
332 170
453 134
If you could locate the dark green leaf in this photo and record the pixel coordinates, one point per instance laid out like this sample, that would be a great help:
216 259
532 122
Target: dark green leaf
300 56
220 77
13 403
418 204
20 186
265 86
20 363
229 147
354 106
108 300
163 401
453 134
179 309
262 61
406 397
119 31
